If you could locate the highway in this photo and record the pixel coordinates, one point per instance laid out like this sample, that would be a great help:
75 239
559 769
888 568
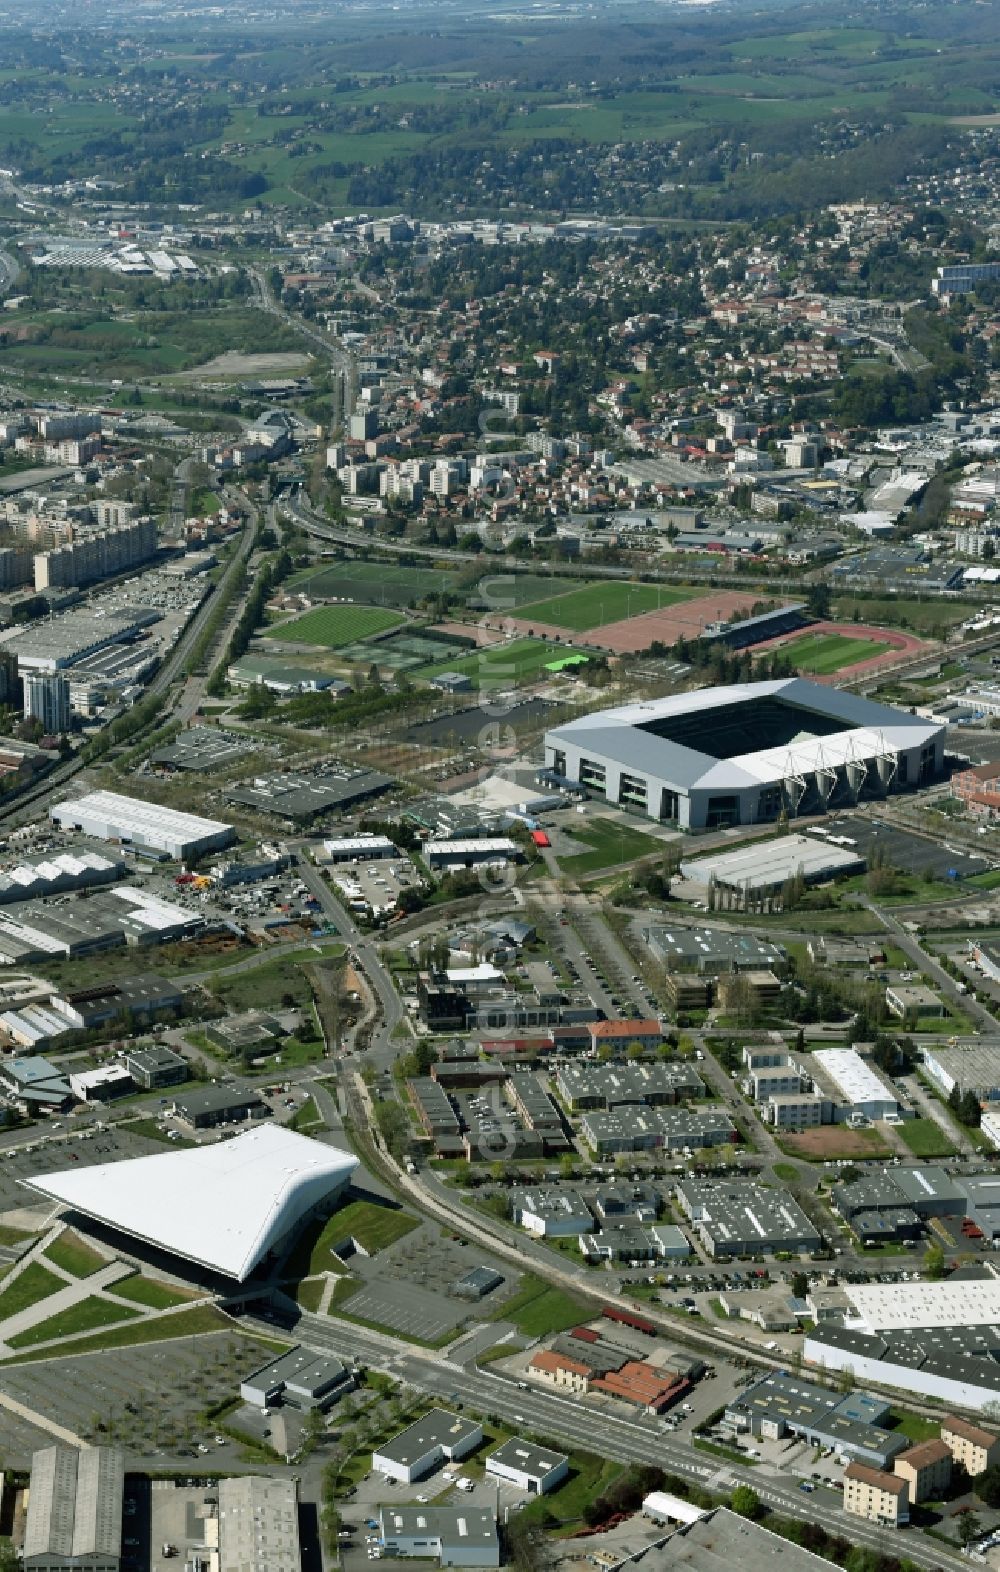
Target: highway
573 1424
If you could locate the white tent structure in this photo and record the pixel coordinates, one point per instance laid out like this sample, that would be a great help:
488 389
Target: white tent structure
222 1206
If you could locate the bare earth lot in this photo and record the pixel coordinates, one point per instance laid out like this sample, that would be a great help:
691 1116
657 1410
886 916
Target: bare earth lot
236 364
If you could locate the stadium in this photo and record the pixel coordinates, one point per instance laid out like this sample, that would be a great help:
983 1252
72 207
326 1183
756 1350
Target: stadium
743 754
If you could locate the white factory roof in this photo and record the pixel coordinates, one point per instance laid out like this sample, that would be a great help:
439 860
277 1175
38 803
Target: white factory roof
855 1079
222 1206
150 911
348 845
498 845
893 1307
772 862
137 819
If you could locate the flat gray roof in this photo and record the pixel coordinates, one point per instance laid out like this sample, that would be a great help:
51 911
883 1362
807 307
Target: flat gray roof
440 1427
527 1457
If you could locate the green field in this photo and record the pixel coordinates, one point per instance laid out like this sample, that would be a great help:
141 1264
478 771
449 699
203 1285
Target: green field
595 605
155 1295
74 1256
609 844
509 591
151 1329
29 1288
925 1138
822 654
335 626
89 1315
373 1226
538 1310
501 666
374 583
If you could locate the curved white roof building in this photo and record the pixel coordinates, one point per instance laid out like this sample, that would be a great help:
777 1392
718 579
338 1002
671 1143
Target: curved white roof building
742 753
222 1206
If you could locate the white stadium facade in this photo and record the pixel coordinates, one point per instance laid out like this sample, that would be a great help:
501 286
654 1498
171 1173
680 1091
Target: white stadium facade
222 1207
744 754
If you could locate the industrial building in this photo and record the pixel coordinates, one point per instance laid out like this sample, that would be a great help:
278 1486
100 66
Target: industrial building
456 1536
529 1467
202 748
438 1437
223 1206
258 1525
74 1517
711 951
953 1366
744 1218
107 919
583 1086
110 816
556 1213
633 1129
766 867
744 754
441 856
302 1378
74 635
718 1541
973 1069
38 877
204 1107
860 1089
779 1404
296 799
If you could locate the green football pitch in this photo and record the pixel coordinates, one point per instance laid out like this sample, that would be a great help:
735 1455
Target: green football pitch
595 605
335 626
823 654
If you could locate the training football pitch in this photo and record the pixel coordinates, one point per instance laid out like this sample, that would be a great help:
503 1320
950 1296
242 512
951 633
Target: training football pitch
499 666
335 626
595 605
822 654
376 583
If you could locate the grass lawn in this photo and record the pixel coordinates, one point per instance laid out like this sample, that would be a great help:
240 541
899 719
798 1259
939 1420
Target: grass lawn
88 1316
588 1478
538 1310
335 626
914 1426
150 1329
151 1130
595 605
500 666
307 1119
13 1236
786 1172
822 654
76 1257
376 583
608 843
925 1138
310 1292
920 616
372 1225
32 1285
156 1296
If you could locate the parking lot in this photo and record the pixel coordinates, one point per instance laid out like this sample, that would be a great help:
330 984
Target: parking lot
909 853
59 1151
148 1399
409 1286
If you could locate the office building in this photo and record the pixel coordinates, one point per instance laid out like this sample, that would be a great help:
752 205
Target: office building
529 1467
779 1404
438 1437
259 1525
556 1213
302 1378
454 1536
46 700
74 1517
155 1067
878 1497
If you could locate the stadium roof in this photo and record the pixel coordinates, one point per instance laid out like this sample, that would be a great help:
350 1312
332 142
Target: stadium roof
221 1206
637 736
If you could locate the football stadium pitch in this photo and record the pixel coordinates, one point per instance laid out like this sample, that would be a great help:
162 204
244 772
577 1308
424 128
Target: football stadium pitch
335 626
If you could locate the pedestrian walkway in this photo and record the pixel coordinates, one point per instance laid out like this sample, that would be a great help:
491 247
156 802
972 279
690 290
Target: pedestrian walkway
75 1292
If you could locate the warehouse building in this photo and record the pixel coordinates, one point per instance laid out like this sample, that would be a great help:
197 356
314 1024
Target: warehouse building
744 754
148 826
974 1069
766 867
74 1517
297 799
860 1089
529 1467
206 1106
458 1536
495 850
718 1541
258 1525
38 877
438 1437
745 1218
202 748
302 1378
